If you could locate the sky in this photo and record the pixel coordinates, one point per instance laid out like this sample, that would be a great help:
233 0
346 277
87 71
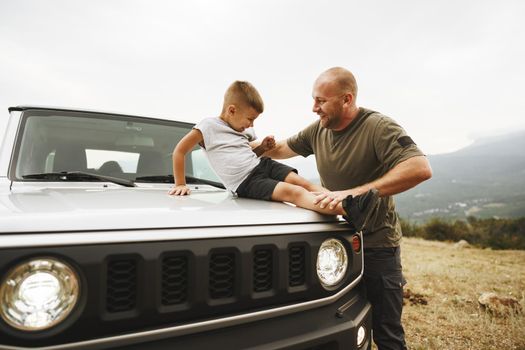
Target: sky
448 71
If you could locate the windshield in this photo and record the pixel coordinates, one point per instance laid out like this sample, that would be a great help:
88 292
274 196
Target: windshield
126 147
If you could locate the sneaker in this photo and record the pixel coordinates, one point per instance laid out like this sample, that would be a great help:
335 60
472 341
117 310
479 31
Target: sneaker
358 209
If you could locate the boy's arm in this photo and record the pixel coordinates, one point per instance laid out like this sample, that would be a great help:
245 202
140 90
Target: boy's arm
267 144
184 146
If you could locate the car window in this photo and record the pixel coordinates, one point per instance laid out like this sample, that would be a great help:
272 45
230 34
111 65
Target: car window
201 167
103 159
127 147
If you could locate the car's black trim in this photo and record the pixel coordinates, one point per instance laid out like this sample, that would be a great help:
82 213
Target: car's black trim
316 329
76 175
98 321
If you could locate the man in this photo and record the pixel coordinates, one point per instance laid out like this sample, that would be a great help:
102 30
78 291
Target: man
358 150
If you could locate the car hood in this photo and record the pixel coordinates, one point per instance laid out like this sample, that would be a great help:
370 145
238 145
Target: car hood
33 208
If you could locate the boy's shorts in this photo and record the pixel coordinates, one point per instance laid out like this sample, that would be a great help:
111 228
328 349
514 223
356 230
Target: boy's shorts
262 180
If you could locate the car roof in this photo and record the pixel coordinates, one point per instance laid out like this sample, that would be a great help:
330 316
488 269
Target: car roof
85 110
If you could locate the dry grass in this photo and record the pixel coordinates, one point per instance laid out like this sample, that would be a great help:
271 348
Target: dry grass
451 280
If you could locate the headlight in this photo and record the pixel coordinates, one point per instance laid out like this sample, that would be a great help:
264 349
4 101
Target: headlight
361 335
332 262
38 294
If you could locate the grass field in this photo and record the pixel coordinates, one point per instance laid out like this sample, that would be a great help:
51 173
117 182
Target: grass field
450 281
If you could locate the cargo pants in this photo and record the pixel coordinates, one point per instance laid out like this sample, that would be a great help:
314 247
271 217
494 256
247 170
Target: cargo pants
383 283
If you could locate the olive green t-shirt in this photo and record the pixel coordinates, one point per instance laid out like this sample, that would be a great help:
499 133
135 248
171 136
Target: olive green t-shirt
364 151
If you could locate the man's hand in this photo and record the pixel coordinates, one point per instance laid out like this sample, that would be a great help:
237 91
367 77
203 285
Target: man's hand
268 143
332 199
179 190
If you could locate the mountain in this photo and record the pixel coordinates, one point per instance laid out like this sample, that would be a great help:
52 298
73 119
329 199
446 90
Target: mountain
485 179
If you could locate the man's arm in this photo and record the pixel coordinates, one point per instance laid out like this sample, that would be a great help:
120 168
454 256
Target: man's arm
280 151
400 178
184 146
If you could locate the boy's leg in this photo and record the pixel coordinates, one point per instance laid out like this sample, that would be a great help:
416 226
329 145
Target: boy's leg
295 179
359 209
295 194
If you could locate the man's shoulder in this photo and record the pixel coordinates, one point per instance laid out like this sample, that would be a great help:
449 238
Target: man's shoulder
375 118
371 114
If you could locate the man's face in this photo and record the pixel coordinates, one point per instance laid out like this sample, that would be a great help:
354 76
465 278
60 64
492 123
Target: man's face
328 103
242 118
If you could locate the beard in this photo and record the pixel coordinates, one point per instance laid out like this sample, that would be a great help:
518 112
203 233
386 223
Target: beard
330 121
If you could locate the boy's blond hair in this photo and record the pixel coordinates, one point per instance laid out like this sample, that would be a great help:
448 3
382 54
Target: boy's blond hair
243 94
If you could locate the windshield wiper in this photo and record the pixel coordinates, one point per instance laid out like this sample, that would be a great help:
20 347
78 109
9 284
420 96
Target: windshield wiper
169 179
80 175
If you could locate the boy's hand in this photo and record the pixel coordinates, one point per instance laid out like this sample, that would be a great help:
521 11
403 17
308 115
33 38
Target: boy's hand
268 143
179 190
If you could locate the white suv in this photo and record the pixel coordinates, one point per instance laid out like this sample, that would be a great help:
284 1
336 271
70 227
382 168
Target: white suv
95 254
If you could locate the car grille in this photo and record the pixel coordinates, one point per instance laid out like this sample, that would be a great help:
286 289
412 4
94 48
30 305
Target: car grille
296 266
222 275
174 280
262 270
132 287
223 279
121 293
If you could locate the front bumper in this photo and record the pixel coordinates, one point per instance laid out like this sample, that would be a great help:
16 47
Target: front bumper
320 329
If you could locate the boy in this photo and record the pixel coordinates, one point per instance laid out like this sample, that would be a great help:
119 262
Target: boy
228 143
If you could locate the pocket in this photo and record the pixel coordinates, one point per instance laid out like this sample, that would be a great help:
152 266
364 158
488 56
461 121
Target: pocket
393 281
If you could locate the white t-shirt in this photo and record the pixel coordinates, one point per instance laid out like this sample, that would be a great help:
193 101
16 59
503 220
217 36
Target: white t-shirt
228 151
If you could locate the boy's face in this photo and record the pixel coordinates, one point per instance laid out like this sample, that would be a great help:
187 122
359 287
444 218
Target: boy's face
241 118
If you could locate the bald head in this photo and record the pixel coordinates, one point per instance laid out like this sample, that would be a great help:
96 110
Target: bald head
334 93
342 79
